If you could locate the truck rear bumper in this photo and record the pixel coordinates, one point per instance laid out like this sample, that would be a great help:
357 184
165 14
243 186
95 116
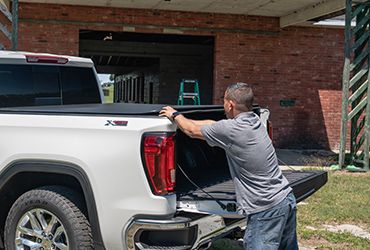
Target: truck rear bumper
179 233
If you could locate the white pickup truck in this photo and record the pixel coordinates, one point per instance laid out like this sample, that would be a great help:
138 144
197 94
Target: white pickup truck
106 176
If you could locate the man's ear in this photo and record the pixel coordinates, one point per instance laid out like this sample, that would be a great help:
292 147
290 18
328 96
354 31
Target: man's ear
232 104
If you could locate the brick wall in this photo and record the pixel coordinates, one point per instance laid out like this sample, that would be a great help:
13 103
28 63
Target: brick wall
298 63
303 64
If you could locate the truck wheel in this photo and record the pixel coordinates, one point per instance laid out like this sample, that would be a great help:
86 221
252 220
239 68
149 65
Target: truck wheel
45 219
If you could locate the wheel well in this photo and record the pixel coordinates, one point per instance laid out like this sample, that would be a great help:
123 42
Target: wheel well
22 182
23 175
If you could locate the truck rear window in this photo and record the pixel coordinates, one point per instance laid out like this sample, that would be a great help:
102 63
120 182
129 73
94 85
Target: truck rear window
36 85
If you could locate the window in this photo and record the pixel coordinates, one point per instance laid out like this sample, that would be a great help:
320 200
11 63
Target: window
34 85
79 85
46 86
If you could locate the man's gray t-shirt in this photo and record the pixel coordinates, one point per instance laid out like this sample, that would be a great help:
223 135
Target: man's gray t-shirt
258 180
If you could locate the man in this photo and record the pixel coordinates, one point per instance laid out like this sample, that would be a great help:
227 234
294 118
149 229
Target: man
263 193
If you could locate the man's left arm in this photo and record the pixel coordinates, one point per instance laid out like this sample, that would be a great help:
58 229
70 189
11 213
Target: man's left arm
190 127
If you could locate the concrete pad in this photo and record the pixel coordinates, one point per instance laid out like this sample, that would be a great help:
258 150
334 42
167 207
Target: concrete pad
348 228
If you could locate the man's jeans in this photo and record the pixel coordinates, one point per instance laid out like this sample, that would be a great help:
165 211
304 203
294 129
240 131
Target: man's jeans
274 228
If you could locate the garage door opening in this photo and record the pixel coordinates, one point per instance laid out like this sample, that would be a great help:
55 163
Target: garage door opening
148 68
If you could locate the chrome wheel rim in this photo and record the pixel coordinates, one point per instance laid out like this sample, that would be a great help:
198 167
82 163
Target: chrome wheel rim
39 229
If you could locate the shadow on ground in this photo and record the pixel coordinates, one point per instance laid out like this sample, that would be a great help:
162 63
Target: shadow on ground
315 158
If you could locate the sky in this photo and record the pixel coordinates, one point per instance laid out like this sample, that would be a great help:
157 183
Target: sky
104 78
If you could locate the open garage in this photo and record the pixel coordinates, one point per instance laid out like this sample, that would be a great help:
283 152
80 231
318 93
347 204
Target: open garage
150 67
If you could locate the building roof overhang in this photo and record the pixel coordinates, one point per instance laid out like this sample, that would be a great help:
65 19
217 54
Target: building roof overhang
289 12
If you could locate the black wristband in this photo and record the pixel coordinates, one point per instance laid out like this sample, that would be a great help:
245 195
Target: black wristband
174 114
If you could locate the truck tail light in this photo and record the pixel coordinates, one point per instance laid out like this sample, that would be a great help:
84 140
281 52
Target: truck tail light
270 129
158 151
46 59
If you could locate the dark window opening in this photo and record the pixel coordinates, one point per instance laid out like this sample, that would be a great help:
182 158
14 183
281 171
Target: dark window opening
148 68
35 85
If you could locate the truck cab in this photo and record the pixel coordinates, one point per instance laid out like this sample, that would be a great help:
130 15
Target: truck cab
33 79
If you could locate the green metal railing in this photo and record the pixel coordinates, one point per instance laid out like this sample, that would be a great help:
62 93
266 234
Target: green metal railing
13 19
356 91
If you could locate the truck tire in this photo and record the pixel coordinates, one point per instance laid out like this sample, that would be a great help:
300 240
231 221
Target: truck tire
46 219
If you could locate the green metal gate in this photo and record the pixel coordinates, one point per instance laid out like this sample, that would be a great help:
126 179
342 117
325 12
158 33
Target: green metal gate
356 91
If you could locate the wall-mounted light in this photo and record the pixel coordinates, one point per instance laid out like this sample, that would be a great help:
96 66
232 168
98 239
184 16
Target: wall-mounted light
108 37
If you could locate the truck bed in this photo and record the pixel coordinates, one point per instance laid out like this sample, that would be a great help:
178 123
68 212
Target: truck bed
207 167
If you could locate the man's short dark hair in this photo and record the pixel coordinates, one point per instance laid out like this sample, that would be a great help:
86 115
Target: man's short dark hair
241 93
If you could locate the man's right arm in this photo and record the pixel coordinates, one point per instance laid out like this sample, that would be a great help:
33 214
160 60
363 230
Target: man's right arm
203 122
190 127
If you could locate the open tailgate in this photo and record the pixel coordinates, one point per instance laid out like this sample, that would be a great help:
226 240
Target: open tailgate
304 184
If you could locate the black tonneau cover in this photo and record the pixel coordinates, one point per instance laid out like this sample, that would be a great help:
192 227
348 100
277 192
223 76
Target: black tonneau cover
112 109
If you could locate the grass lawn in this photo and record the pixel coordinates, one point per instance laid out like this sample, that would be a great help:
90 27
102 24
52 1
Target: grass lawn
108 95
345 199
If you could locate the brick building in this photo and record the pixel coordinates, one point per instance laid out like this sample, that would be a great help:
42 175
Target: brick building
294 66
